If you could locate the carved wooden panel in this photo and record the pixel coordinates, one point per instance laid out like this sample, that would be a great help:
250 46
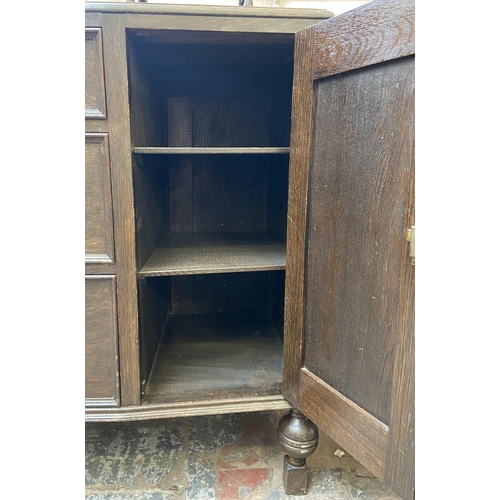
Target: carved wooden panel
101 342
95 94
99 239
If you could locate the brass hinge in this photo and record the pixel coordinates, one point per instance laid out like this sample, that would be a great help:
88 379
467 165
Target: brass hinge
410 236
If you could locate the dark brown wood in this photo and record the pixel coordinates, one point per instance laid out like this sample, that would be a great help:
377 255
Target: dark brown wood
151 212
154 306
354 429
145 111
96 125
211 151
203 37
400 469
231 293
102 381
299 440
202 253
180 172
239 182
115 64
350 329
358 206
95 94
224 23
231 122
208 406
238 355
204 10
300 160
373 33
99 239
182 301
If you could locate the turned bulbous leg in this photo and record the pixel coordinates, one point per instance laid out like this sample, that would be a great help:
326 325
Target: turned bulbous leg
299 439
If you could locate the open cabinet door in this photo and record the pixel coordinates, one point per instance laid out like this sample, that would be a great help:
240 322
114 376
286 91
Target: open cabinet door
349 313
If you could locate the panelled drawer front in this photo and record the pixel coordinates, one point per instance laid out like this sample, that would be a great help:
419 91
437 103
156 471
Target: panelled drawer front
95 93
99 238
101 342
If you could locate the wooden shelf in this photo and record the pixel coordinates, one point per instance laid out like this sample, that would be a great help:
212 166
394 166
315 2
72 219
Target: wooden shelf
208 151
207 253
240 356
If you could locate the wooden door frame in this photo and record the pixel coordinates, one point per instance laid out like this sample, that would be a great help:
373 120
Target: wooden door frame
338 45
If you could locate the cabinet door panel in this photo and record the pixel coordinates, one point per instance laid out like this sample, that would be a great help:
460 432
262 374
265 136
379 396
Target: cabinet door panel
95 96
349 332
99 241
101 342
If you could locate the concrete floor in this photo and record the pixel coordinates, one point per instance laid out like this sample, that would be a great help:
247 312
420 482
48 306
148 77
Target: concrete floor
223 457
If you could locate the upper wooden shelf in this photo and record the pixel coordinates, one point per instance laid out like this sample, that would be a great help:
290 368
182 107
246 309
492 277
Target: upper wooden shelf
208 151
202 253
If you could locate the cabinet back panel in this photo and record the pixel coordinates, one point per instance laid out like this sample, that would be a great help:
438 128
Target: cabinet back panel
241 94
230 193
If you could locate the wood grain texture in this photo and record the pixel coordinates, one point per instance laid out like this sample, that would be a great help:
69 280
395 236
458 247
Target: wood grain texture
154 307
204 10
145 108
231 122
180 171
93 19
213 37
356 430
400 469
95 93
99 237
102 381
187 409
378 31
358 206
235 24
300 152
115 64
238 355
96 125
151 207
202 253
100 268
211 151
355 343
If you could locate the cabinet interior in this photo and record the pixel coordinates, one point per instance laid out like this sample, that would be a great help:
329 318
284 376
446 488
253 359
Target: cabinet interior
210 124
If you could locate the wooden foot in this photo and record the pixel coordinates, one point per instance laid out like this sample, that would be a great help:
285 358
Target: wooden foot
299 439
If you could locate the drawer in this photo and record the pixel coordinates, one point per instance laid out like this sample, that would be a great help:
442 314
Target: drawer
95 92
99 237
102 381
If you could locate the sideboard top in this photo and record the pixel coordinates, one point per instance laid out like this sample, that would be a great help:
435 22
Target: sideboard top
206 10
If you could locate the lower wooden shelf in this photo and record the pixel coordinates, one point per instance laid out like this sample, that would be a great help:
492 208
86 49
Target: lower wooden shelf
205 253
216 357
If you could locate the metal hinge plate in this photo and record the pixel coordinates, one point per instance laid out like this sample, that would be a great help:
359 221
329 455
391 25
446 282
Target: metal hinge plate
410 236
